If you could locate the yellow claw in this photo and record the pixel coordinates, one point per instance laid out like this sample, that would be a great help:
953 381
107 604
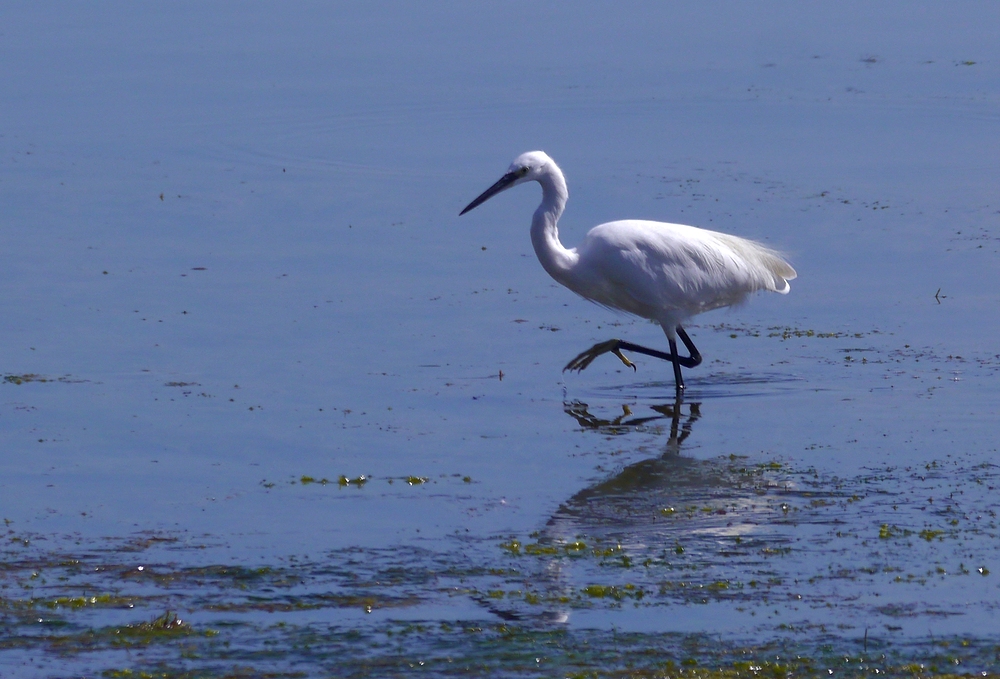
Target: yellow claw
624 359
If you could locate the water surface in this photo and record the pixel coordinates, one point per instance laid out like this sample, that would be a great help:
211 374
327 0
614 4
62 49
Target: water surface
251 348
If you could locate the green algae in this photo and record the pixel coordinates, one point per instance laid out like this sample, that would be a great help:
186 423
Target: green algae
21 379
618 593
75 603
26 378
930 535
344 481
729 544
785 332
887 532
161 628
511 546
467 648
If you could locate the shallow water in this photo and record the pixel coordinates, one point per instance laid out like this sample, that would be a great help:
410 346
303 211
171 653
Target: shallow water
250 347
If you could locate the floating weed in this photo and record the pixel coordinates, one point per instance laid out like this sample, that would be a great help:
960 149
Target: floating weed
344 481
100 600
358 482
21 379
628 591
887 532
784 332
512 546
538 549
162 628
34 377
606 551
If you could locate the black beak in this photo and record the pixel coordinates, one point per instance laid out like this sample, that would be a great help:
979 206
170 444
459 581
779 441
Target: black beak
503 184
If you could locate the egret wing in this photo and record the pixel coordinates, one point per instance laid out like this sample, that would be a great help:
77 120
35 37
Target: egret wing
669 271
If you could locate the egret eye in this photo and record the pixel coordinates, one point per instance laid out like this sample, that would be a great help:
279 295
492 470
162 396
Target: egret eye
523 171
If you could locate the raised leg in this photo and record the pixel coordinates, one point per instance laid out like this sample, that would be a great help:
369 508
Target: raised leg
615 346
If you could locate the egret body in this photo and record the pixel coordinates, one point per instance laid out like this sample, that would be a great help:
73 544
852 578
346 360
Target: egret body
664 272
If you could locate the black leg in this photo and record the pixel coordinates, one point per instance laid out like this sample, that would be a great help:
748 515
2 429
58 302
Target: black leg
695 357
675 359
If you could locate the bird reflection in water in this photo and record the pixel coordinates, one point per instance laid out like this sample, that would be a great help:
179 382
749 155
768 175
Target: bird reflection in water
638 517
626 503
642 488
627 422
622 510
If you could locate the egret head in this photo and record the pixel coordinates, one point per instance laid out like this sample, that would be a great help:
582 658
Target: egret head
526 167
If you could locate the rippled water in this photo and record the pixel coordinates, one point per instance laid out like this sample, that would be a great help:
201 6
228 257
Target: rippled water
269 405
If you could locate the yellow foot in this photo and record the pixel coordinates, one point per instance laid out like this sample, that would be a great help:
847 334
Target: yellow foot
587 357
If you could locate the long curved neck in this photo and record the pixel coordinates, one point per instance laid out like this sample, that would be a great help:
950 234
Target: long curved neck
555 259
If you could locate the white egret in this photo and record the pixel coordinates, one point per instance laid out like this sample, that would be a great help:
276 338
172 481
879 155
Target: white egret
664 272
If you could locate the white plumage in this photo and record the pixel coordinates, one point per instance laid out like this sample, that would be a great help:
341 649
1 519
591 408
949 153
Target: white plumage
664 272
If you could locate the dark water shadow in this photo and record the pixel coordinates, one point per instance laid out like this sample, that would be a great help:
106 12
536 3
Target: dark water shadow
709 386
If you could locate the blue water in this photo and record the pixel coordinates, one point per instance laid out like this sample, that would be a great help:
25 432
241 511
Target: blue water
233 258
